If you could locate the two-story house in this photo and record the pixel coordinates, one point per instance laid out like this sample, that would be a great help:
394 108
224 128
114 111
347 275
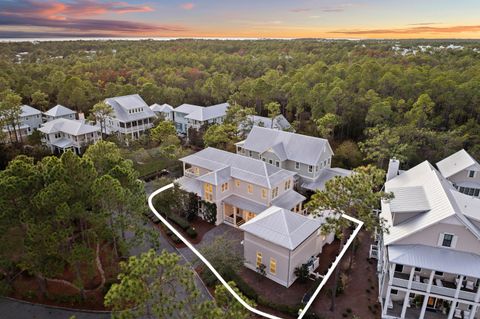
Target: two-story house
463 171
64 134
29 120
241 187
59 112
164 111
194 116
131 116
307 156
429 256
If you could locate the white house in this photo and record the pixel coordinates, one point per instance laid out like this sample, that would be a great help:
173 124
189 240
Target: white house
64 134
309 157
164 111
194 116
463 171
429 258
131 116
29 120
57 112
282 240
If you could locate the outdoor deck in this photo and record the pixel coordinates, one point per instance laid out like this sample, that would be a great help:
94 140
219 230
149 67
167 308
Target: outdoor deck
413 313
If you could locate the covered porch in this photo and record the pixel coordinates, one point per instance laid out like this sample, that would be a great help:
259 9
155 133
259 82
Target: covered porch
237 210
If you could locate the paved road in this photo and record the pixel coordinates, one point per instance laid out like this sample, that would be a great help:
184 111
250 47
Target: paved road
10 309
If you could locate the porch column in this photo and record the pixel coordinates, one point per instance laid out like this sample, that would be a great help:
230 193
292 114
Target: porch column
389 288
427 295
235 215
407 293
454 303
475 307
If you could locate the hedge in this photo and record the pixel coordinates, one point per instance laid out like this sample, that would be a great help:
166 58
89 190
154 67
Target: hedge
180 221
192 232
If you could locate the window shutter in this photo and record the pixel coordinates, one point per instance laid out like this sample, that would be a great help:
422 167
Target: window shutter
440 239
454 241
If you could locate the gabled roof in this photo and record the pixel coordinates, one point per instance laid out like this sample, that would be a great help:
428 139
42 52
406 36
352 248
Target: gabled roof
27 110
122 104
278 122
241 167
440 195
208 112
164 108
457 162
186 108
409 199
326 174
282 227
297 147
59 110
72 127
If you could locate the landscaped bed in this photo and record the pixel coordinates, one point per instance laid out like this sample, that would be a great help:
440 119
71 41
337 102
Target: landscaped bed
200 227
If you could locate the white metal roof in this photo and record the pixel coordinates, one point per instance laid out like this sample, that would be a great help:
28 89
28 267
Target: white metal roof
279 122
245 204
190 185
208 112
288 200
72 127
298 147
470 206
326 174
282 227
59 110
241 167
122 104
164 108
409 199
436 258
457 162
438 192
27 110
186 108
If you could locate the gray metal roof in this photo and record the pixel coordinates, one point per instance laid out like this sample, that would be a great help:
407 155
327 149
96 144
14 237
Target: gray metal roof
186 108
72 127
297 147
409 199
122 104
59 110
439 193
208 112
436 258
245 204
241 167
279 122
190 185
470 206
164 108
288 200
457 162
282 227
27 110
217 177
326 174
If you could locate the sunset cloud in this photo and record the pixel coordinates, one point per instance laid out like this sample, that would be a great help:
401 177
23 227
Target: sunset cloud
187 5
300 10
412 31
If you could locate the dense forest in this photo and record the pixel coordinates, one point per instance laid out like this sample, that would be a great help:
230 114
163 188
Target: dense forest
414 100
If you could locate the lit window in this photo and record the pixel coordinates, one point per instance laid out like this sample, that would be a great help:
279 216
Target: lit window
249 188
197 171
224 187
264 193
273 266
259 259
274 192
237 183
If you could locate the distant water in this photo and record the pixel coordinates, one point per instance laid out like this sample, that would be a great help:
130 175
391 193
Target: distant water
130 39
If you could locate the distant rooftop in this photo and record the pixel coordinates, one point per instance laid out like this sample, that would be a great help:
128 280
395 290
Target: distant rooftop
59 110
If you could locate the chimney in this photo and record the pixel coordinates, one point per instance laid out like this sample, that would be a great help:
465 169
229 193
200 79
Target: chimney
393 167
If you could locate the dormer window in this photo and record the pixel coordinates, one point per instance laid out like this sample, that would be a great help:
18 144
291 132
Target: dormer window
471 174
447 240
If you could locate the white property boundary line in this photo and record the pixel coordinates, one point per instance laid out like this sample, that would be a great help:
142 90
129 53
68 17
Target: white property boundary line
219 277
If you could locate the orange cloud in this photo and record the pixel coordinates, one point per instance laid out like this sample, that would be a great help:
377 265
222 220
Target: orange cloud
187 5
413 30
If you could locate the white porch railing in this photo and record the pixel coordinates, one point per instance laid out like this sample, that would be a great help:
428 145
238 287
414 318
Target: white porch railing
190 173
373 252
229 220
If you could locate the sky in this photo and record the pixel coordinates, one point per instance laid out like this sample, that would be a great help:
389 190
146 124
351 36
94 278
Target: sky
241 18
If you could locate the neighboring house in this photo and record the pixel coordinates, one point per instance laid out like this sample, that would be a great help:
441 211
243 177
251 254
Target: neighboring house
278 123
308 157
195 116
429 257
463 171
241 187
164 111
64 134
282 241
29 120
131 116
59 112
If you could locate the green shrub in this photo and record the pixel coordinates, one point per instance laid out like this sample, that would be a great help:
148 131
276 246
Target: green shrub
180 221
192 232
244 288
175 239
